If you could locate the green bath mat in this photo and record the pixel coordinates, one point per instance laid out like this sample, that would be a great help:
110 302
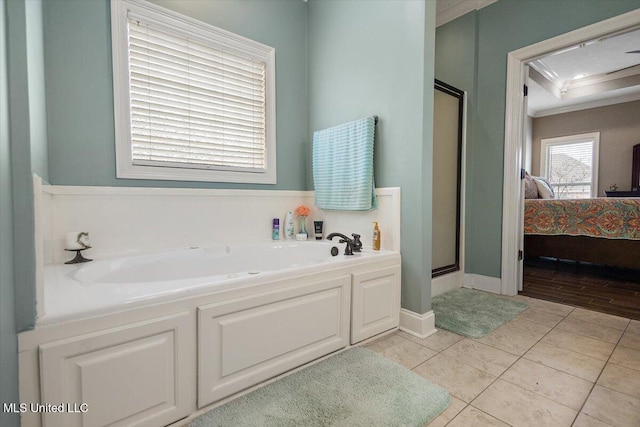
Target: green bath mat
354 388
473 313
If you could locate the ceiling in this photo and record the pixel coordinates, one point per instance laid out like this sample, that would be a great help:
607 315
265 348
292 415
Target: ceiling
611 75
599 72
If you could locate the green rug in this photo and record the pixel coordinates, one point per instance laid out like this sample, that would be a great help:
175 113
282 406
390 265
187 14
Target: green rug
354 388
473 313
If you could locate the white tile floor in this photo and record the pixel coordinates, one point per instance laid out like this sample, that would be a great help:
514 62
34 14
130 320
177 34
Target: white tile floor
553 365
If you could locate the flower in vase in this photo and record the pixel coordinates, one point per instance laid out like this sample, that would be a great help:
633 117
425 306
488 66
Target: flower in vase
302 210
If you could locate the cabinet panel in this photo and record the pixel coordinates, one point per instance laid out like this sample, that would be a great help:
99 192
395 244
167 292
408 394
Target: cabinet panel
137 375
376 302
243 342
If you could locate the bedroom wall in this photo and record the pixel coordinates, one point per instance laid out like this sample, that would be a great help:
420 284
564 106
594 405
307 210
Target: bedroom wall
498 29
619 129
528 145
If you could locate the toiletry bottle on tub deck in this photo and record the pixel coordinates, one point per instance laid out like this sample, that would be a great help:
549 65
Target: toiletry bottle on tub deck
376 237
288 226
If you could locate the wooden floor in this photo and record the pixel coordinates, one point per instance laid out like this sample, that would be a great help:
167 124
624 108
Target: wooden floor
603 289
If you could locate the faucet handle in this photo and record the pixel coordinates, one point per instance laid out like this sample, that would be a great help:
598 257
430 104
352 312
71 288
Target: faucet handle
357 244
348 249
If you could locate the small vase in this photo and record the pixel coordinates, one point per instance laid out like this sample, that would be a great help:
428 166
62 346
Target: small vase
303 225
302 234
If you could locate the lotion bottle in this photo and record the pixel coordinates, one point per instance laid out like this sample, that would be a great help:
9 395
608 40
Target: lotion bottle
376 237
288 226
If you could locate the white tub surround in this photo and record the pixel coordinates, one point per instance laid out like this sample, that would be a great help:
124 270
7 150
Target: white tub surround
133 220
80 291
182 349
173 316
128 220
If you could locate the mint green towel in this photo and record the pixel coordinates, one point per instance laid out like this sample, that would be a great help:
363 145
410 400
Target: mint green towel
343 166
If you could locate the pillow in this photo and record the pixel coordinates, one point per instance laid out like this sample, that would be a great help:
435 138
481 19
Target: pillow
544 188
530 187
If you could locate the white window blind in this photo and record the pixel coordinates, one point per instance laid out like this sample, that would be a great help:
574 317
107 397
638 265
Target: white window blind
193 104
570 166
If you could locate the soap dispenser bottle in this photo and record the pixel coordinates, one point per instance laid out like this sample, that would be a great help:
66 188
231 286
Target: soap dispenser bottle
288 226
376 237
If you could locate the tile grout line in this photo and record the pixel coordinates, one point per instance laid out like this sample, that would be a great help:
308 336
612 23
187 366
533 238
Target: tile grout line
516 361
596 381
550 367
564 317
466 404
500 376
522 356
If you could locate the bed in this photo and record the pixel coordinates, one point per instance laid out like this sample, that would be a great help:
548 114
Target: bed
601 231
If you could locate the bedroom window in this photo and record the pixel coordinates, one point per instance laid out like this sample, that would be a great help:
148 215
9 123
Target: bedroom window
192 102
570 164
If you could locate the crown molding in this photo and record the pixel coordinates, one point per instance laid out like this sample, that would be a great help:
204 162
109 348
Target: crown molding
448 10
587 105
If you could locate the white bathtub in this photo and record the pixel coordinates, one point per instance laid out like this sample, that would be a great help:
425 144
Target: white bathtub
197 325
102 286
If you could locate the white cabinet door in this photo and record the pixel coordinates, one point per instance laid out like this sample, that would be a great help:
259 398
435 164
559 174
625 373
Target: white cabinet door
137 375
375 302
245 341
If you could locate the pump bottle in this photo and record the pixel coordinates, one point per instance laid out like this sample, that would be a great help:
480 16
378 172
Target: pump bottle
376 237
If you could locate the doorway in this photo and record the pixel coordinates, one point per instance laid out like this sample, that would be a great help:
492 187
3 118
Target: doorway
448 149
512 227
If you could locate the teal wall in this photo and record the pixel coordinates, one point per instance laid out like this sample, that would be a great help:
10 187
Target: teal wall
23 146
455 64
80 93
361 57
370 58
8 339
19 29
37 103
495 31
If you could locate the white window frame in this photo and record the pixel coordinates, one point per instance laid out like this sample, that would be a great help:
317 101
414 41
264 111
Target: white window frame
545 143
238 44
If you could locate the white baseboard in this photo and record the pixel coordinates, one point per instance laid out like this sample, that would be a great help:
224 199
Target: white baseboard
419 325
446 283
483 283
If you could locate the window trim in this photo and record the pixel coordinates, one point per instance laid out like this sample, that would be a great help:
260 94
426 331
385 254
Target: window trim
124 162
574 139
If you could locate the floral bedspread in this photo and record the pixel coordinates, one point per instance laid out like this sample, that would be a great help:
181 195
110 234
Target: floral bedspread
607 217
